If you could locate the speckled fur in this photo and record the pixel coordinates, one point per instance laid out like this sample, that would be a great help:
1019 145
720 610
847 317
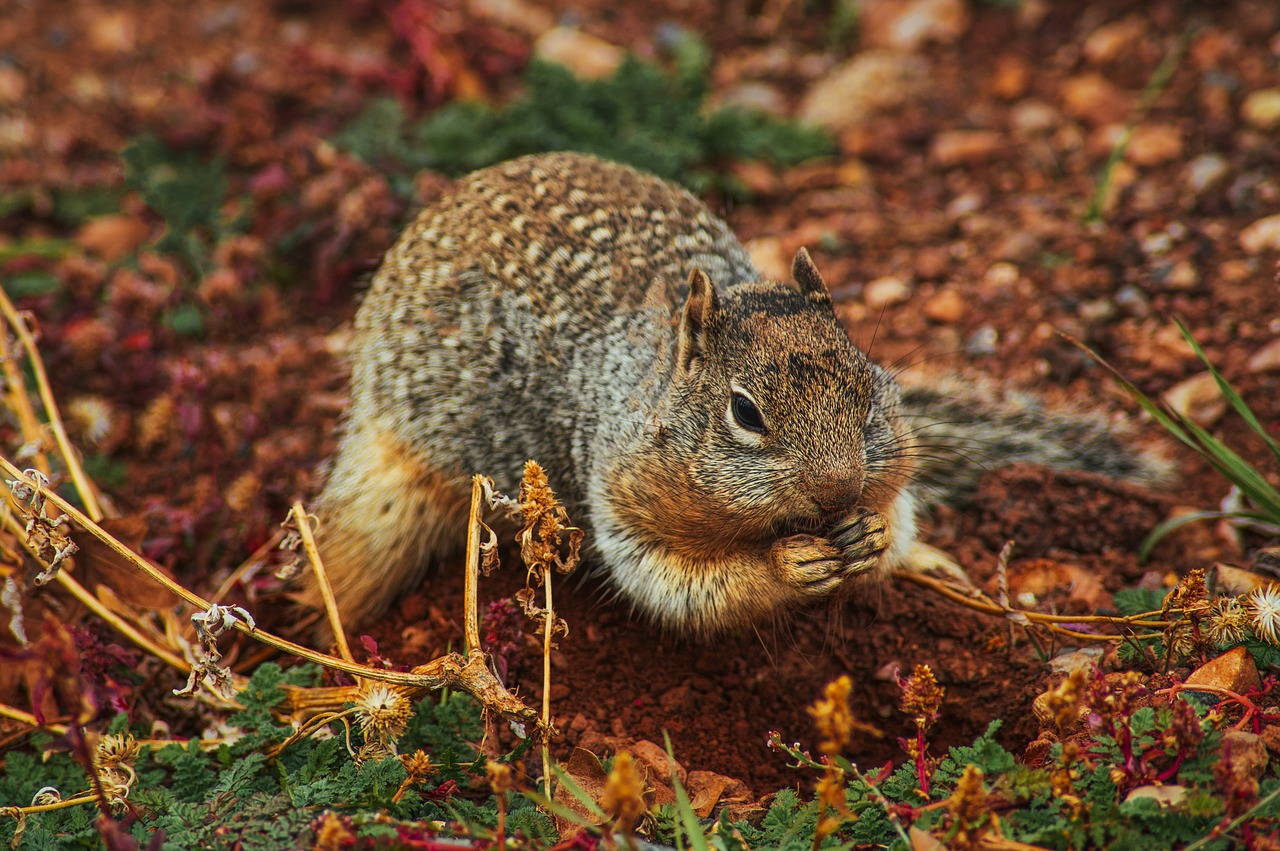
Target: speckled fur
562 308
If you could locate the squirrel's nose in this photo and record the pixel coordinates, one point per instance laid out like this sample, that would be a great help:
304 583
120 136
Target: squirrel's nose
838 494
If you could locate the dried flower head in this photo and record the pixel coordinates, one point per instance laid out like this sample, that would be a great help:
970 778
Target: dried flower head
623 797
970 807
92 418
1264 613
1189 594
417 766
113 759
1228 621
833 715
1062 703
499 776
383 710
922 696
545 524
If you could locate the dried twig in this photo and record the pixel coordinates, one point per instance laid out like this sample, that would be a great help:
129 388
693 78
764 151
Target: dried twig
69 457
299 516
452 670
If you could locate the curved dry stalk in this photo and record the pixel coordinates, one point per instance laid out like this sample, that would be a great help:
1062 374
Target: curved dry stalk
453 670
69 457
95 605
1051 622
303 520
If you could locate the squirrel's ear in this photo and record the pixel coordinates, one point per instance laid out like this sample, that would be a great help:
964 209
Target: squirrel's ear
806 274
700 310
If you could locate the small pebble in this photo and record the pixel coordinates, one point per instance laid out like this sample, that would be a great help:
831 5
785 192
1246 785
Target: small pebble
1197 398
965 147
1031 117
1096 100
982 342
1113 40
1018 247
1204 172
1096 310
1133 301
886 292
1001 277
1261 109
947 307
1156 244
1262 235
588 57
1266 359
909 25
1154 144
868 85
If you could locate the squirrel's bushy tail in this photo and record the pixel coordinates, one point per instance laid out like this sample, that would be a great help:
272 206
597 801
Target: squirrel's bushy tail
384 515
962 429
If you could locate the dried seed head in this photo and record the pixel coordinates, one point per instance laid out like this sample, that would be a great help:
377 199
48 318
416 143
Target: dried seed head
417 765
922 696
1062 704
1264 613
382 711
970 807
833 715
623 797
114 757
545 524
1228 621
499 776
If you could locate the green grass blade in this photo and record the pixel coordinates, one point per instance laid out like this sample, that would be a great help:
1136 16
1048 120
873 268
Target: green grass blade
1229 392
688 818
575 790
1167 526
1239 471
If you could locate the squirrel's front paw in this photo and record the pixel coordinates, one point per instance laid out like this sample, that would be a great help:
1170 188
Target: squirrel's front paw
815 566
862 539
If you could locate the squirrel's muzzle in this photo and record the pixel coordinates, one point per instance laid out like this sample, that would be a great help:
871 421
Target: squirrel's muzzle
838 495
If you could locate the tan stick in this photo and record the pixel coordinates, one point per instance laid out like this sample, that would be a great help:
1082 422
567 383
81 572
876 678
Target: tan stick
95 605
1051 622
20 403
547 631
300 516
471 582
451 670
69 456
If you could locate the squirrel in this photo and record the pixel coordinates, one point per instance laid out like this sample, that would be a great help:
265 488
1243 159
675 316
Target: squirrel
729 452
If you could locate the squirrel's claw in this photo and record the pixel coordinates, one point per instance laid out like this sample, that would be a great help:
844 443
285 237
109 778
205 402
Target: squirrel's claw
817 566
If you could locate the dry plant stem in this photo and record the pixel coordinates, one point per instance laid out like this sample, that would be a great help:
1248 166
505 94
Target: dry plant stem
255 558
452 670
1050 622
20 403
69 456
15 714
548 630
87 798
300 517
470 601
95 605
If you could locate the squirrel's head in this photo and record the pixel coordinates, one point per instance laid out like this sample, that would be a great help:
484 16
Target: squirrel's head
786 423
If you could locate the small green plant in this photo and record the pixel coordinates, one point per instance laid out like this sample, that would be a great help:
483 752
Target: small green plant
188 193
250 792
641 115
1252 484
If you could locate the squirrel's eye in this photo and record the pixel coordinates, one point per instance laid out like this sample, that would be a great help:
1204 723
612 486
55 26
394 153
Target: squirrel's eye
746 414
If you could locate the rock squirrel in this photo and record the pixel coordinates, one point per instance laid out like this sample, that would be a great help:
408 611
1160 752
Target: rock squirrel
728 450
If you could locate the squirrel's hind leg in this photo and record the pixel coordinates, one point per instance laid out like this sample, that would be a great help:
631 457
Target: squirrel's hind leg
385 515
